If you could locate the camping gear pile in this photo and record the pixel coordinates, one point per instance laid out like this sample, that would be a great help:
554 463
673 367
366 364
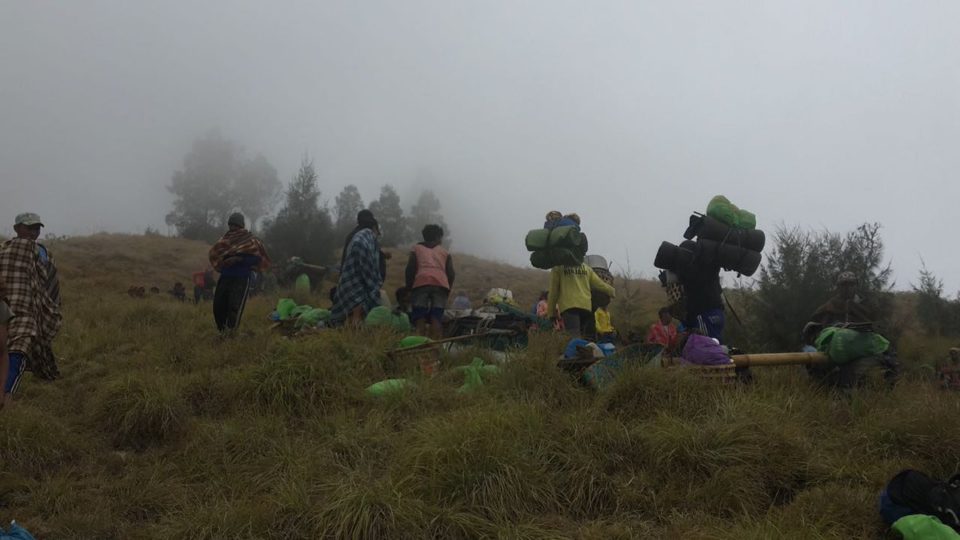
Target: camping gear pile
559 243
500 319
726 237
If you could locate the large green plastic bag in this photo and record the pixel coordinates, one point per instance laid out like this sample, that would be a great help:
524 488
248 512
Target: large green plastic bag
924 527
300 310
312 317
473 373
388 387
746 219
722 209
384 316
285 307
844 345
412 341
302 285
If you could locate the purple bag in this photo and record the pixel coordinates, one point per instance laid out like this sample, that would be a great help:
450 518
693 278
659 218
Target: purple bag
704 351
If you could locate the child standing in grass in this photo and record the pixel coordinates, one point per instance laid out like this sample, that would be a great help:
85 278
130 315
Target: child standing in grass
429 277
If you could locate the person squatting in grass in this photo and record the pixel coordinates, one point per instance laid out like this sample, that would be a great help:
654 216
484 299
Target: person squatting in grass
32 293
663 332
429 277
358 288
570 288
235 256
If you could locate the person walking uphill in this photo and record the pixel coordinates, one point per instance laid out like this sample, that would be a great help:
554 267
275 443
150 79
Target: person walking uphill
32 290
570 288
358 289
235 256
429 276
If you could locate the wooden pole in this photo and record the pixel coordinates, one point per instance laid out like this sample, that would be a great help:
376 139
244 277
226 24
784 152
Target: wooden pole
780 359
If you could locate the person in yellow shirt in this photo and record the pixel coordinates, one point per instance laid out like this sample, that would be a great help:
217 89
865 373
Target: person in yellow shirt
570 288
606 333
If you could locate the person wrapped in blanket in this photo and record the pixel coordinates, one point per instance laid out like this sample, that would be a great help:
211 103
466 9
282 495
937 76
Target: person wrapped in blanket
236 255
358 289
31 290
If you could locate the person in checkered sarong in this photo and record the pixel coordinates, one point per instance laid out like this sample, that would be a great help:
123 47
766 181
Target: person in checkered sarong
32 290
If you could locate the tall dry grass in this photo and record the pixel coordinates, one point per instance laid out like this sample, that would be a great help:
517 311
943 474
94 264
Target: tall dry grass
160 430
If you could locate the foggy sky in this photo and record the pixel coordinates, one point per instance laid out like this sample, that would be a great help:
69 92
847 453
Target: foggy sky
633 114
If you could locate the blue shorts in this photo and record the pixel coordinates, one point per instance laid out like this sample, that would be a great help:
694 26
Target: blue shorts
430 314
18 364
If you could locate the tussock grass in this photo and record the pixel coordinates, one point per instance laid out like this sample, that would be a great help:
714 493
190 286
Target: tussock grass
159 429
141 410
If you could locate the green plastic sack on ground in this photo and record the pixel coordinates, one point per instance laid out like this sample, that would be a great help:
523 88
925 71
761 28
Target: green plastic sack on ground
473 375
412 341
302 285
924 527
384 316
300 310
388 387
312 317
285 307
843 345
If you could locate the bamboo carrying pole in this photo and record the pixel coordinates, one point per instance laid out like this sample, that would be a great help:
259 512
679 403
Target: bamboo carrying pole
780 359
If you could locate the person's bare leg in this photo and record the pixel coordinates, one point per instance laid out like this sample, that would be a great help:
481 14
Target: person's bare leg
356 317
422 327
436 328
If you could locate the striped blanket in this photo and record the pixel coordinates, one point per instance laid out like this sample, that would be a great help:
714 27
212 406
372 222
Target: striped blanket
360 278
32 288
238 242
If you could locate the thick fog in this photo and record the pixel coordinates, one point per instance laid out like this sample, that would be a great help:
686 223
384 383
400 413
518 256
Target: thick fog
633 114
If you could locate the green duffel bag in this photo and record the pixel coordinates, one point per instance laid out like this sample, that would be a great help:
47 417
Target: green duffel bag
548 258
563 237
844 345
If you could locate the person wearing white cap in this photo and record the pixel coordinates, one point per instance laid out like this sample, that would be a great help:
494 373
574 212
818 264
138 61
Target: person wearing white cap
32 290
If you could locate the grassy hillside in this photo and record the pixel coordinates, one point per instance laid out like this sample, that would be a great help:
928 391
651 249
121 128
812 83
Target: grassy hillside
161 430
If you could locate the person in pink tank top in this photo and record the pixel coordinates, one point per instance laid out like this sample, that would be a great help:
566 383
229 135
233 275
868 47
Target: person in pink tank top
429 276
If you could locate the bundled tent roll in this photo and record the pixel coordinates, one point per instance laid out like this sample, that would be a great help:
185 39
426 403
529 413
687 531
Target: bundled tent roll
559 246
673 258
709 228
